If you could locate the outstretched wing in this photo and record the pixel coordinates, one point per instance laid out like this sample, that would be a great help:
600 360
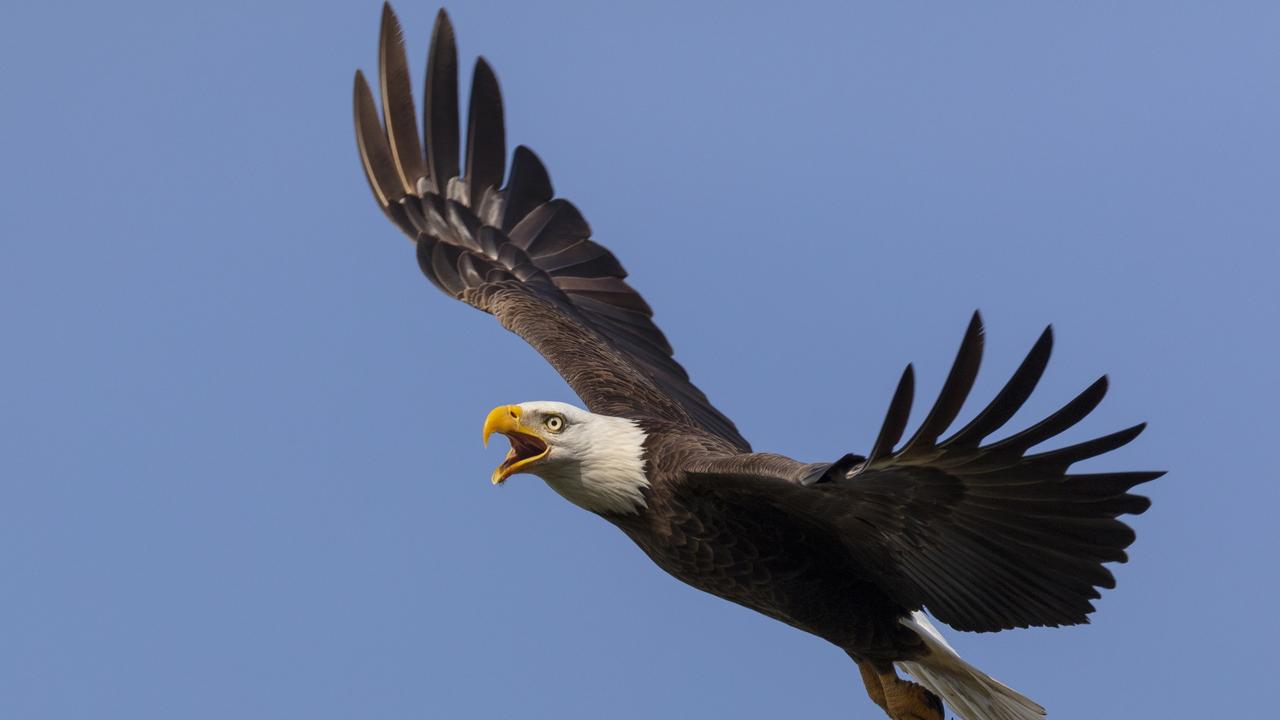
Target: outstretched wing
987 536
515 251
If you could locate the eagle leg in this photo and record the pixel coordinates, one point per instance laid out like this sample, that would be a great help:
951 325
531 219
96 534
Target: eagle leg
871 678
900 699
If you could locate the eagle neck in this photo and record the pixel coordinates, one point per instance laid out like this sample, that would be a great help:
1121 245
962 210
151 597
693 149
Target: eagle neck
610 476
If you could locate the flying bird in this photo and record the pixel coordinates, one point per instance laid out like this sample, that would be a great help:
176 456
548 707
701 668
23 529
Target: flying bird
984 535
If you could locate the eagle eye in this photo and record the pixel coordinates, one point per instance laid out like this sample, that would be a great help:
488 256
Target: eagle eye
554 423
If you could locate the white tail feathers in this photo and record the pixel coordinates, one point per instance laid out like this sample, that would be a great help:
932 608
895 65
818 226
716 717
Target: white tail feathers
971 693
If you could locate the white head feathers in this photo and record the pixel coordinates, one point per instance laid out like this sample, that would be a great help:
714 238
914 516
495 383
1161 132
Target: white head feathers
595 461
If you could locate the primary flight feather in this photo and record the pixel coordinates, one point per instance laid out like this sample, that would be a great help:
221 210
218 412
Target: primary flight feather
984 535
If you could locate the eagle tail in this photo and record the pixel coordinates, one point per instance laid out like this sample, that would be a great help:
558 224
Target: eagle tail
971 693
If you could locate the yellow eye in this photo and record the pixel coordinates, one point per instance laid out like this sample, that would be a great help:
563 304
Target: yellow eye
554 423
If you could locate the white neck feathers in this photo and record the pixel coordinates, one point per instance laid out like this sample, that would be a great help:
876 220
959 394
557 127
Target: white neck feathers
606 474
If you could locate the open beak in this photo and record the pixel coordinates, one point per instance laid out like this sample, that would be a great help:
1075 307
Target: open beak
527 448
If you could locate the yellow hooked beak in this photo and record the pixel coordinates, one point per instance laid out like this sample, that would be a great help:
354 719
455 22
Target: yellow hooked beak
527 447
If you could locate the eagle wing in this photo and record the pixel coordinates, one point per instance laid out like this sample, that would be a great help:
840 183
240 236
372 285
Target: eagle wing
516 252
987 536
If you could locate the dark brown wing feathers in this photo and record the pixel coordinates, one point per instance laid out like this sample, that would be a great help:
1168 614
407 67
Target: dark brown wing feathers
895 420
954 391
398 115
514 249
486 136
439 103
986 537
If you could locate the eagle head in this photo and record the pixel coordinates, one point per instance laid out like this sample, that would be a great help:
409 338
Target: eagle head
594 461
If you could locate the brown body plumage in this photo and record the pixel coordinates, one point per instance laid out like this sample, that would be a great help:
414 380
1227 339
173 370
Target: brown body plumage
986 537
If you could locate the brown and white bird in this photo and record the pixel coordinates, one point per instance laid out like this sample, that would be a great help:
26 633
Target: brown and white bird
984 535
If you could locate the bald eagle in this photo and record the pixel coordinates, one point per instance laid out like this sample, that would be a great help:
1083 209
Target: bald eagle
984 535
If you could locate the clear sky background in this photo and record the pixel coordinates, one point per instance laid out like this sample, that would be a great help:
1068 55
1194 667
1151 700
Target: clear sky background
240 461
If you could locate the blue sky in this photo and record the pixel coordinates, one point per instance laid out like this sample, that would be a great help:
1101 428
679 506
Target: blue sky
240 464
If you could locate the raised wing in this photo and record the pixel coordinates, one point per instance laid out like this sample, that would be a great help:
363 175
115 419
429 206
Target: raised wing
988 537
515 251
